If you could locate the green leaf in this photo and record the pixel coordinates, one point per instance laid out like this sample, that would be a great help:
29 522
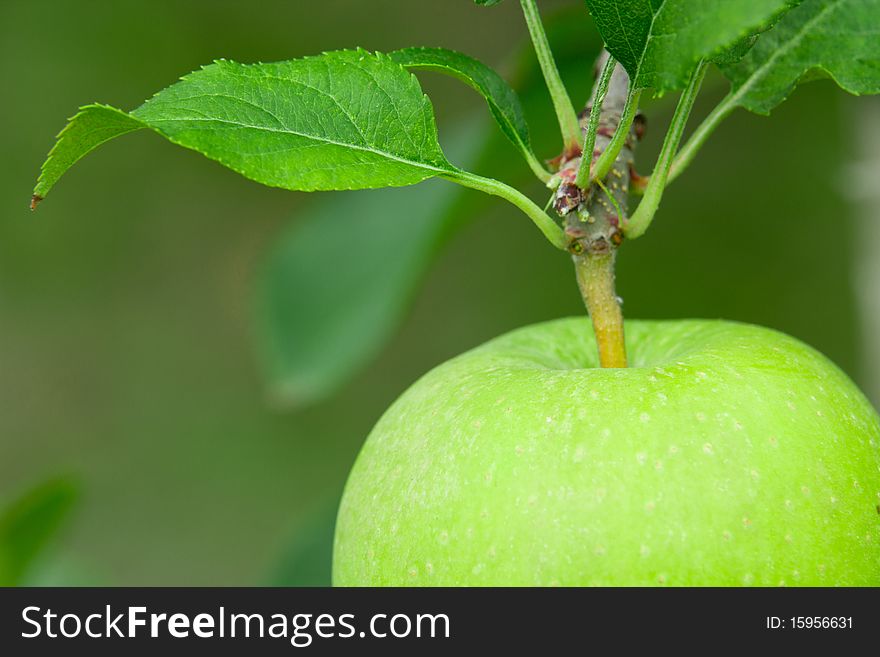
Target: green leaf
88 129
341 120
28 524
834 38
738 49
736 52
487 3
659 42
338 281
503 102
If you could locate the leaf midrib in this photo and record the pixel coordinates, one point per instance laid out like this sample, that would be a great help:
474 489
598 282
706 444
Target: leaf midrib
323 140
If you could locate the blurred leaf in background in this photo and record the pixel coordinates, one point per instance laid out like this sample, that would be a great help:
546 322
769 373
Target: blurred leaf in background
29 523
308 558
338 280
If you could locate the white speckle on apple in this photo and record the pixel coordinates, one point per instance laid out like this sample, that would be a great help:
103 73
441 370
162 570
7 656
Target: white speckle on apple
492 552
599 551
644 550
429 568
791 405
701 417
413 573
661 579
788 504
747 522
641 457
737 425
579 454
658 465
650 506
833 499
702 375
788 538
477 569
707 448
533 500
805 490
726 535
662 398
754 474
518 449
644 417
443 537
673 449
594 394
748 579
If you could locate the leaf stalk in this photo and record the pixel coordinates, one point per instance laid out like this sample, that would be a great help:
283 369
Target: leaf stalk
541 219
565 113
609 155
644 214
687 153
582 178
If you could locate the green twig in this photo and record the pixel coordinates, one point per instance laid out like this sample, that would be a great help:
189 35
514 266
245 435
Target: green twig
583 175
568 121
541 219
644 214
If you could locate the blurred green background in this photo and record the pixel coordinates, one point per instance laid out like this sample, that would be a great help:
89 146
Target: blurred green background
128 355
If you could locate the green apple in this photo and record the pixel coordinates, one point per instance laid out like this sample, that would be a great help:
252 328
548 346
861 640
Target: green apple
726 455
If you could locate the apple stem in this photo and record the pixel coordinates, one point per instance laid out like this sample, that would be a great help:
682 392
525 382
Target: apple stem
595 277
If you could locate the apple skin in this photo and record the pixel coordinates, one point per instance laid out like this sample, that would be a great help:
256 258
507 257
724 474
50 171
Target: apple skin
726 455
